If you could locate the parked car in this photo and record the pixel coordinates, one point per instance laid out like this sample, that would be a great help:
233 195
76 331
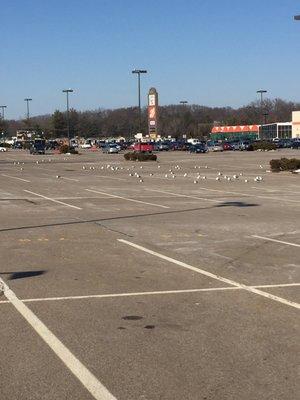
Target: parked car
227 146
86 145
163 146
244 146
17 145
215 147
143 147
296 144
198 148
110 149
3 148
179 146
284 143
38 146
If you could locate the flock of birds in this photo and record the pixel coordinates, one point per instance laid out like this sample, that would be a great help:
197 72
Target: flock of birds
170 174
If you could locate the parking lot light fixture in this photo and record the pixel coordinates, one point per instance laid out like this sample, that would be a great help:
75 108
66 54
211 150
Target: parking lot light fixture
3 108
261 92
139 72
297 17
27 103
67 91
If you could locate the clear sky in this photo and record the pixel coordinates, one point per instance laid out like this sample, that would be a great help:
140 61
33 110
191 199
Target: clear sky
209 52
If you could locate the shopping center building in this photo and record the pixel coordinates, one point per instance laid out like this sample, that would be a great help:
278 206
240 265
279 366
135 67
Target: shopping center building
296 125
279 130
239 132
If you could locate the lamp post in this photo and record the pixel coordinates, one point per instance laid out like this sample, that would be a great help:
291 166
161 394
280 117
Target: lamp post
27 101
183 102
67 91
3 108
261 92
265 114
297 17
139 72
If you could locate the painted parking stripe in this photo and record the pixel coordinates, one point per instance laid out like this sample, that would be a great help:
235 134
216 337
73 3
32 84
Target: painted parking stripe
211 275
275 240
15 177
184 195
53 200
127 199
252 195
88 380
158 292
69 179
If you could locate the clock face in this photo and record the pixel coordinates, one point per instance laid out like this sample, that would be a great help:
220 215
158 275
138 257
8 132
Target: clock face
151 99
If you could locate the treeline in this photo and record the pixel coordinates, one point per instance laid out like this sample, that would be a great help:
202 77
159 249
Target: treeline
174 120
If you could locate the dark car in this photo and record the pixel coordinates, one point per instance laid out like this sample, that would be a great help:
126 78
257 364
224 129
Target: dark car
198 148
296 144
38 146
17 145
163 146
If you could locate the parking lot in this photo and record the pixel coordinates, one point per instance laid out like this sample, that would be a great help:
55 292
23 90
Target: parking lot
177 279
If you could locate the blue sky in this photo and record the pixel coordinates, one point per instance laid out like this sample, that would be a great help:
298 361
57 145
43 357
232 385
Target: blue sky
210 52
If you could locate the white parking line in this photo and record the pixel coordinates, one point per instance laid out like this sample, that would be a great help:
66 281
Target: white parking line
111 177
275 240
69 179
252 195
213 276
159 292
89 381
14 177
126 198
54 201
183 195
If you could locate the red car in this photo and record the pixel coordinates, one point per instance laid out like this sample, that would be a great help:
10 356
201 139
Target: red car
143 147
227 146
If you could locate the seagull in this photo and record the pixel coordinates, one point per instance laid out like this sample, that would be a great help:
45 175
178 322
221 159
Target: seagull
57 176
185 175
141 181
195 181
203 177
217 178
246 180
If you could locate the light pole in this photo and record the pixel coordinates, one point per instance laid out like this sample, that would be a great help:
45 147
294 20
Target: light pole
261 92
183 102
27 101
139 72
67 91
3 108
297 17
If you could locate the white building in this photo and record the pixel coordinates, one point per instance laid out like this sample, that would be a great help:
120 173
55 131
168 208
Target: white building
296 124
